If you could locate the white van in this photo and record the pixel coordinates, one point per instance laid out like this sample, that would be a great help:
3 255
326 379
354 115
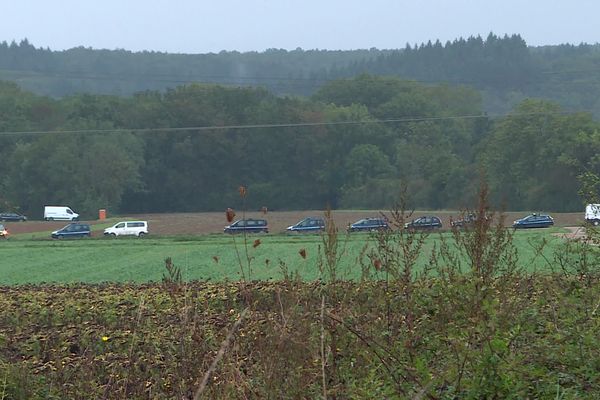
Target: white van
52 213
131 228
592 214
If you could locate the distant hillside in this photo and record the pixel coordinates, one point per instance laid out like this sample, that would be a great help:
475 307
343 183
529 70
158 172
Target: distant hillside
504 69
122 72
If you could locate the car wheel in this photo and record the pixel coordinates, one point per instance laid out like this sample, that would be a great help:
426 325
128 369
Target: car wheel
113 235
141 234
596 222
50 219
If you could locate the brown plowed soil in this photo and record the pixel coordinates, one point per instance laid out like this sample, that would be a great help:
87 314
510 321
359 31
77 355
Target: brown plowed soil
214 222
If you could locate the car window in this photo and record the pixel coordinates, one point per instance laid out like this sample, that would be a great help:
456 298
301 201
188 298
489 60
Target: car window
250 223
121 225
69 211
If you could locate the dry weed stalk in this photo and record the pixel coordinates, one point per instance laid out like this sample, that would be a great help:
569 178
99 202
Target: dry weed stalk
323 356
224 346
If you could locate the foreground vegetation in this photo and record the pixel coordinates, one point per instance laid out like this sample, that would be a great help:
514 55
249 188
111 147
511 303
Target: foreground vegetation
522 336
470 322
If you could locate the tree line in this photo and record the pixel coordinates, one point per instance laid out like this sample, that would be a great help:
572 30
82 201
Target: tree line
356 143
503 69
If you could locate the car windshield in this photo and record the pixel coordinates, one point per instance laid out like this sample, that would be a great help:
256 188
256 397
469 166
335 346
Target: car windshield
305 222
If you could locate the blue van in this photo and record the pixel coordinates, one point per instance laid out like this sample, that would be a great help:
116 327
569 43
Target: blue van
369 225
248 225
308 225
74 230
534 221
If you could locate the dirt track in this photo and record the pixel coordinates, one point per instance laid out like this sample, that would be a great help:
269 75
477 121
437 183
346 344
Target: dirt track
214 222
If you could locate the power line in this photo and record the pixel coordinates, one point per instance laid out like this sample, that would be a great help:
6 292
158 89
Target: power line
280 125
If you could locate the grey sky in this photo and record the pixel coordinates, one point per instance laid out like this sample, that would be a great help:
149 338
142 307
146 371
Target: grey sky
197 26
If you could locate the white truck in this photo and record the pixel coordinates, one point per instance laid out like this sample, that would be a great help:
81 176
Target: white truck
592 214
60 213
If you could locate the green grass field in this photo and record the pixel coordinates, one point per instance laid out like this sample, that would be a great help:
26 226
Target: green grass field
25 260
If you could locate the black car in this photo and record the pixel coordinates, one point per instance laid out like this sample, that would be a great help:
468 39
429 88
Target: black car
74 230
534 221
369 225
248 225
11 216
425 222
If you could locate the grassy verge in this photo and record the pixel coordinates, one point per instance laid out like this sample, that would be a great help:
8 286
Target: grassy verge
209 257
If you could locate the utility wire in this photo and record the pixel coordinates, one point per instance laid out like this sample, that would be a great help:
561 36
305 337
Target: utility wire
280 125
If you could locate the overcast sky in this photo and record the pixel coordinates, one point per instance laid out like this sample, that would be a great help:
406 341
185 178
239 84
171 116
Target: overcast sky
199 26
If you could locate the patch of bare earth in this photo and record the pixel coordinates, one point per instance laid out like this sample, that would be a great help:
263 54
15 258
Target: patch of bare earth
574 233
214 222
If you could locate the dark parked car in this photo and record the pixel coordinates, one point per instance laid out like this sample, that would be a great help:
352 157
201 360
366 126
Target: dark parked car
534 221
369 225
308 225
10 216
425 222
248 225
74 230
3 232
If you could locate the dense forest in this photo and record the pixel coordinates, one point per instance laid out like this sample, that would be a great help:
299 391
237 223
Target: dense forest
503 69
353 144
